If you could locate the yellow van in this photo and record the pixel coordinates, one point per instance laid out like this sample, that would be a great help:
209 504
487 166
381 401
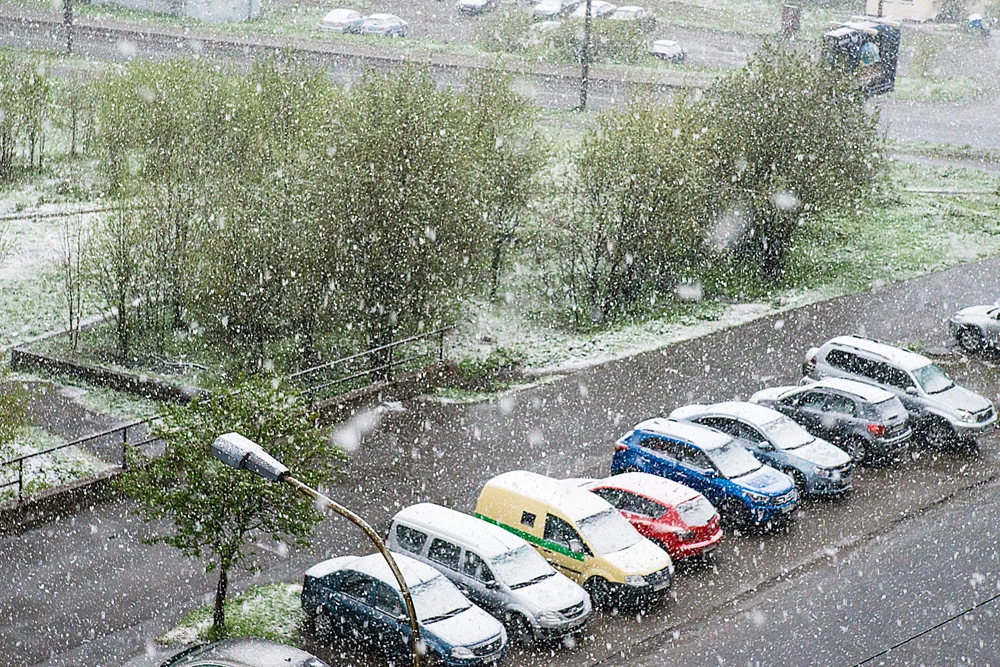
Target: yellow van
581 534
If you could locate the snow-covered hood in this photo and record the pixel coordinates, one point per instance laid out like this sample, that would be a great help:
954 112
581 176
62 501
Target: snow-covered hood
473 626
643 557
765 480
550 594
959 398
769 395
477 4
822 453
972 313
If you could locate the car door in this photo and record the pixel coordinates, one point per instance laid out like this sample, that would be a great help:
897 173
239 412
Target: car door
656 458
481 584
839 416
351 606
809 412
564 547
695 471
391 633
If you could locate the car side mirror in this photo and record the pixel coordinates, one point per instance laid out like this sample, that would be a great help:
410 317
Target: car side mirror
911 390
576 546
492 585
708 472
403 618
765 446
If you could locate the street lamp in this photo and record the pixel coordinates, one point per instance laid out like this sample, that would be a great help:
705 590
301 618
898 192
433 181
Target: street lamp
239 452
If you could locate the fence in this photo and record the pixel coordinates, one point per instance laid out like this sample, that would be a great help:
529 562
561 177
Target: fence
110 438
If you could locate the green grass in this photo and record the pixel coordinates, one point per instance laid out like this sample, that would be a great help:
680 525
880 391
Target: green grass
48 470
271 612
932 89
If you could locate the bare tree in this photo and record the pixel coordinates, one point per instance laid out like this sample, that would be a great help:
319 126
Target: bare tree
73 241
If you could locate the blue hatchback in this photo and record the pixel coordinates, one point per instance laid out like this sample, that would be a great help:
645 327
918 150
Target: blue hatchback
743 490
359 598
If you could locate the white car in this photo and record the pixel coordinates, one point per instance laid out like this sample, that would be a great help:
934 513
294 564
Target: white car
553 8
598 9
976 327
668 49
475 6
342 20
630 13
386 25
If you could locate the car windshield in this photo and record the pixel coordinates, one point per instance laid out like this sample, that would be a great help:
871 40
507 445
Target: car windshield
785 433
608 532
696 512
889 409
438 599
932 379
732 460
521 567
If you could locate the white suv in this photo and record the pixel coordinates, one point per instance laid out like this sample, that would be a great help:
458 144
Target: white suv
941 411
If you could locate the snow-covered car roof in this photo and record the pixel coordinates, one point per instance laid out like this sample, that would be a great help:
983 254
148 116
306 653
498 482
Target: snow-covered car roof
249 653
459 527
863 390
750 412
574 502
339 14
595 7
384 17
667 491
374 565
909 361
701 436
666 44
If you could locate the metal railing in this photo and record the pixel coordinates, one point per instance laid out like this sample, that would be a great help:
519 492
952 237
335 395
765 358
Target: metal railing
110 437
429 346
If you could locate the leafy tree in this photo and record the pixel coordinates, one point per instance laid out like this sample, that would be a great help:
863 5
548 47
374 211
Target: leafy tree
13 410
792 140
115 271
218 511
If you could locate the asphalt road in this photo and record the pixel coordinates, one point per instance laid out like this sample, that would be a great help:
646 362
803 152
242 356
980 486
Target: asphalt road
86 591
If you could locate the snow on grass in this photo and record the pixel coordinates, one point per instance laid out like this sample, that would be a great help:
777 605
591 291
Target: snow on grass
273 611
48 470
447 395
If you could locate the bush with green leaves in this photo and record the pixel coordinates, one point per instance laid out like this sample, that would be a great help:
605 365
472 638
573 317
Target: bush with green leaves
505 31
610 41
483 373
24 110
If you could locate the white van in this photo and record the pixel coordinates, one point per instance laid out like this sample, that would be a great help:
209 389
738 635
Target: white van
496 569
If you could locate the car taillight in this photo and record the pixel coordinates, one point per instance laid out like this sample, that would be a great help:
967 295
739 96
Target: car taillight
878 430
620 447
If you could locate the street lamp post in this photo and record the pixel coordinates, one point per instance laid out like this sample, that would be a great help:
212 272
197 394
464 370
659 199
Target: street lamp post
239 452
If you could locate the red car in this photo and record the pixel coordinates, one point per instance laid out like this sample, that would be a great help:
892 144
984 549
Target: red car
676 517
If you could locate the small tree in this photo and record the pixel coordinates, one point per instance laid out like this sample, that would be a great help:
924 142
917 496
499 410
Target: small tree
116 272
218 511
792 139
73 242
13 410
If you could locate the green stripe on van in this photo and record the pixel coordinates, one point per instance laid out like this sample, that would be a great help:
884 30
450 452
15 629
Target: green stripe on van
548 544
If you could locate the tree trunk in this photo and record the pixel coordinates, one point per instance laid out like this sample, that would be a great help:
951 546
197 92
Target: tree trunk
219 612
772 251
495 265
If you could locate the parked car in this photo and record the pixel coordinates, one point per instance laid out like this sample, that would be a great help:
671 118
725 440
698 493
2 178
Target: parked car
676 517
342 20
553 8
581 535
940 410
867 422
668 49
976 327
817 467
475 6
386 25
633 13
496 569
745 491
598 9
359 598
243 653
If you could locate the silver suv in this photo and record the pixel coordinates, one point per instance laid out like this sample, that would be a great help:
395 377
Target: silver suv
940 410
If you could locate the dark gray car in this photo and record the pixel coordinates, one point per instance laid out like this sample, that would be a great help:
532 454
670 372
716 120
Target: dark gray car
869 423
244 653
942 412
976 327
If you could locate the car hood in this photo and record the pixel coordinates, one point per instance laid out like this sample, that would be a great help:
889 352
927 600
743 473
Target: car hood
822 453
643 557
973 312
471 3
473 626
550 594
769 395
960 398
765 480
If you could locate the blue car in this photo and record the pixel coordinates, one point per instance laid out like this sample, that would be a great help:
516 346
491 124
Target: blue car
358 598
745 491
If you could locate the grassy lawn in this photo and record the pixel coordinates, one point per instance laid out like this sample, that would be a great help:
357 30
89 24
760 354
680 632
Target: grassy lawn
48 470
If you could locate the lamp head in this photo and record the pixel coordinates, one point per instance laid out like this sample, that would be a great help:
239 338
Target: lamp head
238 452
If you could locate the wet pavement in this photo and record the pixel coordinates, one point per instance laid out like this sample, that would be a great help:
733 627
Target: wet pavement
86 591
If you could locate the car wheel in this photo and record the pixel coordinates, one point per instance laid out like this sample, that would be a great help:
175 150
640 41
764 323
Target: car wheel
800 482
939 435
599 591
322 623
736 515
857 449
969 339
520 631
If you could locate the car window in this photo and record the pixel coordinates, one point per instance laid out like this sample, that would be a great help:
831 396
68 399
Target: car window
697 511
613 496
845 361
932 379
387 600
839 405
528 519
642 506
813 400
445 553
886 374
692 457
560 532
410 539
356 585
720 423
475 567
657 445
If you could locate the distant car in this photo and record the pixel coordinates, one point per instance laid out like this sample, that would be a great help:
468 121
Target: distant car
668 49
817 467
598 9
386 25
745 491
359 598
553 8
632 13
475 6
940 410
676 517
976 327
243 653
542 32
342 20
867 422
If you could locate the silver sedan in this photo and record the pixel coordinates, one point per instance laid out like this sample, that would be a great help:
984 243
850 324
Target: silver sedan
386 25
976 327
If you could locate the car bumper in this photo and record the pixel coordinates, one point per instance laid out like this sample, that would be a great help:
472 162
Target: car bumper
826 486
563 629
692 549
774 513
965 430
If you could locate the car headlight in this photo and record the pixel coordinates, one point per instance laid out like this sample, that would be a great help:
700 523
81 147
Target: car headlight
822 472
550 617
462 652
967 417
635 580
757 497
685 535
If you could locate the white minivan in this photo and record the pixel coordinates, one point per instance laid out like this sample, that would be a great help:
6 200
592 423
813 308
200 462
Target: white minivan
496 569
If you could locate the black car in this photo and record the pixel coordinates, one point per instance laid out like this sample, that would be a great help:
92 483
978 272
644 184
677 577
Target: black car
243 653
865 421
